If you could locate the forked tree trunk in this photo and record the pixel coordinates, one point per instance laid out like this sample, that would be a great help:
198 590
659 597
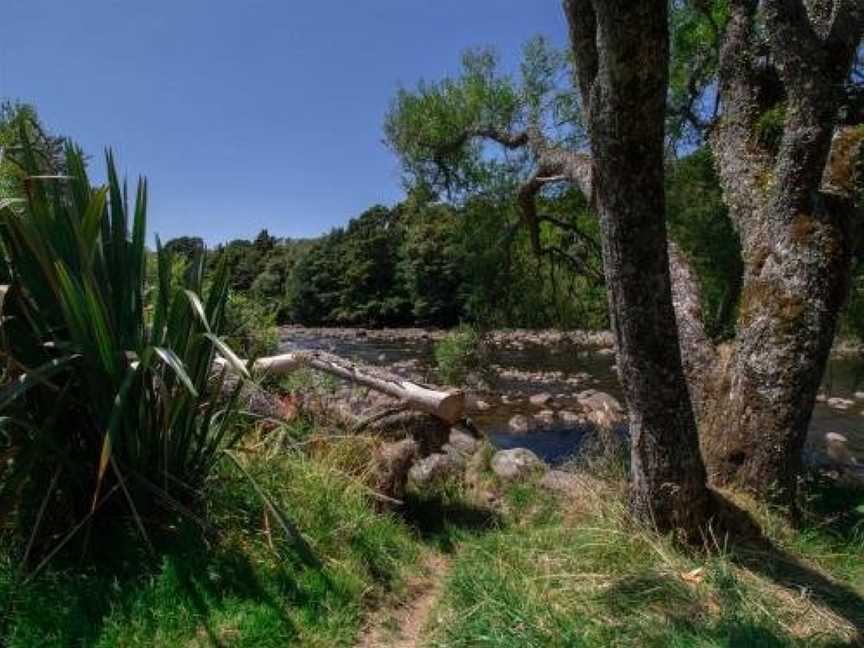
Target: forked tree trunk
793 209
622 60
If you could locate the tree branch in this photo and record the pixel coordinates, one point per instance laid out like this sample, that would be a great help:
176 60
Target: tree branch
846 26
698 352
583 40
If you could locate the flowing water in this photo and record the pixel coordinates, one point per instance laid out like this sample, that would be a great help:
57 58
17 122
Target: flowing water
561 370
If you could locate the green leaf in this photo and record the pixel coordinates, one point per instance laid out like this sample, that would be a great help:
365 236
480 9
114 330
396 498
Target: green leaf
34 377
225 351
197 307
173 362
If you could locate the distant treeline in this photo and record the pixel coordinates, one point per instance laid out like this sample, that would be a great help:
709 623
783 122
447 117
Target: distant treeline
421 262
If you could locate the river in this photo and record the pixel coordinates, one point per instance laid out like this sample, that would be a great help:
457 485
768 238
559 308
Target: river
561 369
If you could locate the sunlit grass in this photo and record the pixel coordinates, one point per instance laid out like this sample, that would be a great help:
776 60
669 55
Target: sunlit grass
581 574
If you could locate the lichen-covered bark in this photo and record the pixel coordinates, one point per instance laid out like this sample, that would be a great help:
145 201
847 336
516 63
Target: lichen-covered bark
793 216
622 58
791 206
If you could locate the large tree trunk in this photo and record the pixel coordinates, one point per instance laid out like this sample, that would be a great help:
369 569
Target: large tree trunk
793 214
622 62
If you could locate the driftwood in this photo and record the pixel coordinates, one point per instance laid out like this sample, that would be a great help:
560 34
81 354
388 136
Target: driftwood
449 406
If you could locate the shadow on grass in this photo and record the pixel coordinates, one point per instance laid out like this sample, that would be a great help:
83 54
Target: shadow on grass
668 596
74 604
231 576
750 549
442 523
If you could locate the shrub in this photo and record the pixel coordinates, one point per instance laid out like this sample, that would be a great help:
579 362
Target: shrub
250 327
105 408
463 356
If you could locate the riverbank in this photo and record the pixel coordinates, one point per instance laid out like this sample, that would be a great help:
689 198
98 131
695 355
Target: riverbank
549 384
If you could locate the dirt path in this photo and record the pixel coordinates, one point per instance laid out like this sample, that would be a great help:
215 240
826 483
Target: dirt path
400 627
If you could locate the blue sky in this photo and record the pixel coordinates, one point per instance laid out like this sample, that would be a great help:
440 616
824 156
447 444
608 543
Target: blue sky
247 114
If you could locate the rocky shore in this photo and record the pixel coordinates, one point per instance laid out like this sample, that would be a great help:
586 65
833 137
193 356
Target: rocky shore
505 337
547 382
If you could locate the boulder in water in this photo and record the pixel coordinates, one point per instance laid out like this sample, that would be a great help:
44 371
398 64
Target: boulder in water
541 399
596 401
571 418
546 417
840 403
519 423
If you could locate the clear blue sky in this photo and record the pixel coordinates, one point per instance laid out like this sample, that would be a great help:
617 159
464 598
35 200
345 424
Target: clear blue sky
247 114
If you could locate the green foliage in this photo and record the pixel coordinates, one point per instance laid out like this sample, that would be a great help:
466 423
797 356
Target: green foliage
428 127
352 276
507 284
462 355
434 263
695 30
699 223
185 246
459 136
20 122
431 265
769 127
262 268
106 408
437 128
250 327
247 583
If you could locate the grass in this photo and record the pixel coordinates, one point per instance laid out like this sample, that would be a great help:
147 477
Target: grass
531 569
245 585
578 573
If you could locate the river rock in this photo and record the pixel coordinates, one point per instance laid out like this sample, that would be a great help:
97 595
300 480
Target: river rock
258 401
840 403
429 432
431 469
391 464
475 404
560 481
457 457
821 397
571 418
519 423
462 441
541 399
592 400
545 416
516 463
837 448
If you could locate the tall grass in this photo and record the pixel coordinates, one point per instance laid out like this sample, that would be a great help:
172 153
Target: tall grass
108 405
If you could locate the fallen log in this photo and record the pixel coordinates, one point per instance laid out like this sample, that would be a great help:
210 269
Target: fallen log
449 406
